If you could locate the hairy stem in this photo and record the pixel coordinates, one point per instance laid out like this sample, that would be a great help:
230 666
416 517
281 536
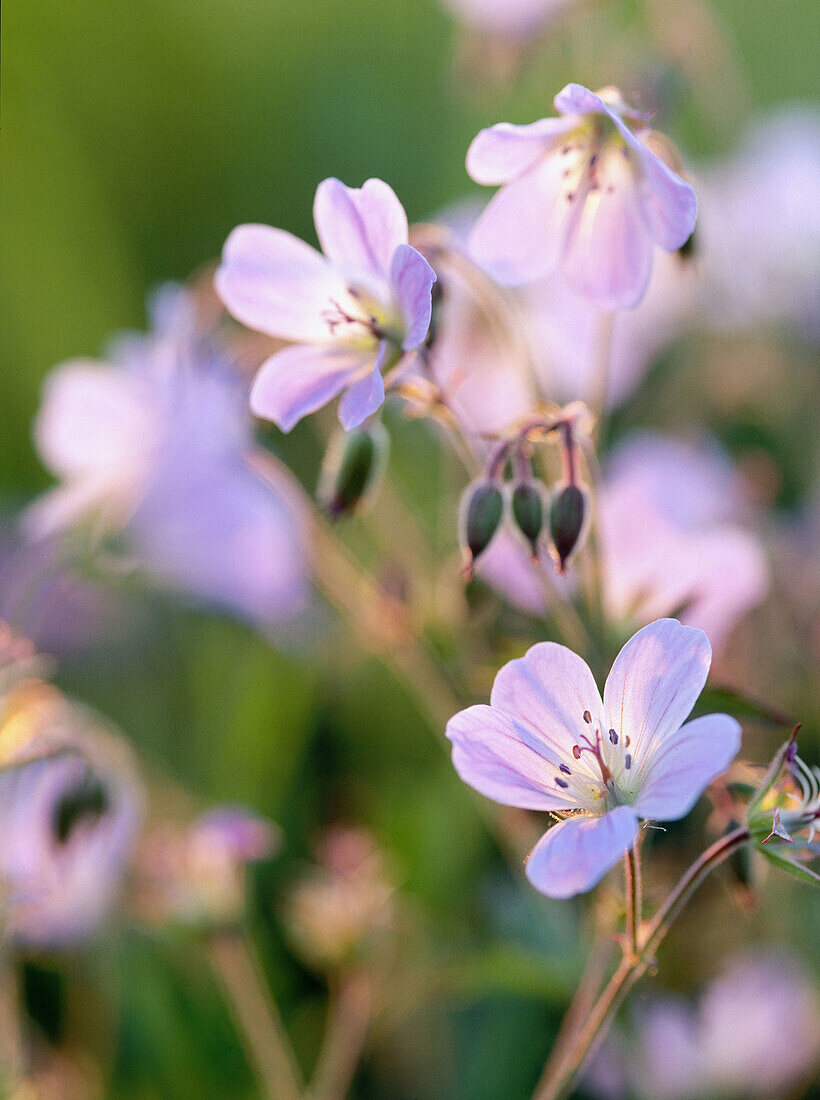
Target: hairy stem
634 897
560 1073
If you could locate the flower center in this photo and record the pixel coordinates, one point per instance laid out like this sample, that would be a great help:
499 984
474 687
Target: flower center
613 761
359 319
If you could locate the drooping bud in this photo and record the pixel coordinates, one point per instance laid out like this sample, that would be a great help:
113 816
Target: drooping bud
527 504
567 514
482 508
352 469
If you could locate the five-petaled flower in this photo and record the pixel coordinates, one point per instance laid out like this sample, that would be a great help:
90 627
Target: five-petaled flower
589 194
549 742
351 313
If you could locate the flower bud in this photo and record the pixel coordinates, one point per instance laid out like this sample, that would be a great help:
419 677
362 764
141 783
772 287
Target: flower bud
482 508
352 469
567 515
527 502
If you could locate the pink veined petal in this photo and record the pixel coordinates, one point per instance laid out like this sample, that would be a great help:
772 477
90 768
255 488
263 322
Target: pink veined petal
548 690
572 857
411 279
668 203
364 396
520 234
682 766
503 761
502 152
274 283
654 683
300 379
608 257
359 228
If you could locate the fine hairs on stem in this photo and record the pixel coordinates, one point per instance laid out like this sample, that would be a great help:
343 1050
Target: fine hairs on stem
560 1073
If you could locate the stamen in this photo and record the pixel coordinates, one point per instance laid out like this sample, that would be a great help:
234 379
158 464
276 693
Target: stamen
564 769
587 718
628 761
627 741
561 783
576 751
613 737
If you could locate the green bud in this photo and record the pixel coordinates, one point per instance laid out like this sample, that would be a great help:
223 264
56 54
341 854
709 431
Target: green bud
352 469
567 514
482 508
528 512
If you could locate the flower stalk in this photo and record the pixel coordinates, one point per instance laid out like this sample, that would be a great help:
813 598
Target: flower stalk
255 1015
559 1075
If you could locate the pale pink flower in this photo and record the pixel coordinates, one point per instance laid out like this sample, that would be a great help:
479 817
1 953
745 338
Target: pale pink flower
513 19
67 826
196 875
548 741
351 313
671 540
564 332
154 448
761 222
754 1032
587 194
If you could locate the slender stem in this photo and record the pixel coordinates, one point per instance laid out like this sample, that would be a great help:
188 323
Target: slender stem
603 353
255 1015
634 898
349 1016
12 1044
559 1074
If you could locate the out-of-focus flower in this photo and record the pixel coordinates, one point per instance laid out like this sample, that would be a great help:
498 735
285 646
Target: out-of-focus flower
565 332
549 742
514 19
334 911
691 557
589 194
68 822
477 355
755 1032
61 611
761 226
351 313
155 447
196 876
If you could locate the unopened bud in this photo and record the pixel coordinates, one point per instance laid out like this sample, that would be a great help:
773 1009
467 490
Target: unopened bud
567 515
482 507
352 469
527 503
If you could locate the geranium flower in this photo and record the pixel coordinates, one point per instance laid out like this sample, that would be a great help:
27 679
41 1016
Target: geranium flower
154 447
351 313
512 19
68 823
588 194
547 741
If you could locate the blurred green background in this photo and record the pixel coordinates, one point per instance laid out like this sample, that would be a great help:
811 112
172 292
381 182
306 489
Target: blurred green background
135 135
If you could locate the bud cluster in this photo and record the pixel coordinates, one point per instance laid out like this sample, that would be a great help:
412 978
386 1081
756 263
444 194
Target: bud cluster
508 489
